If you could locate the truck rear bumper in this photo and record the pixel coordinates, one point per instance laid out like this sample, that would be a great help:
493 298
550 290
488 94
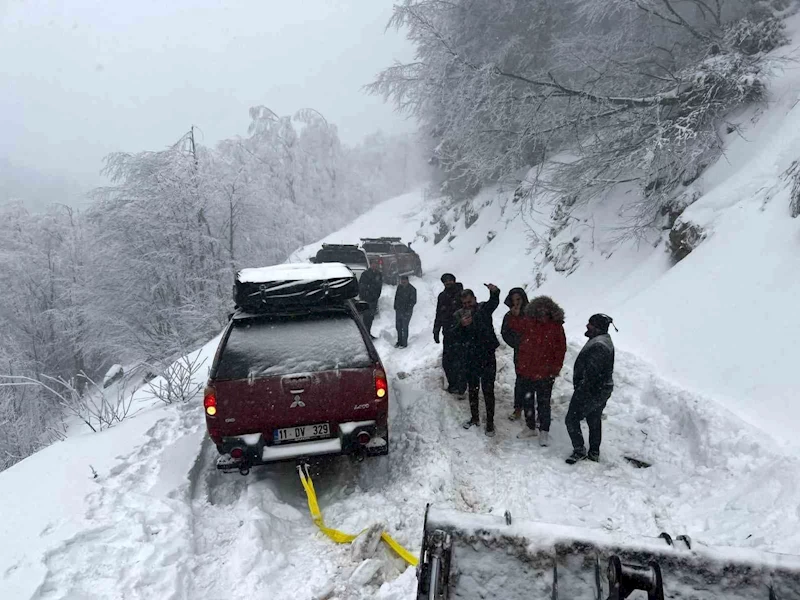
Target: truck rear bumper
257 452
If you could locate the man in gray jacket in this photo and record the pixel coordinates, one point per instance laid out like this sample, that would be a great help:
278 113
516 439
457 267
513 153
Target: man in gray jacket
593 383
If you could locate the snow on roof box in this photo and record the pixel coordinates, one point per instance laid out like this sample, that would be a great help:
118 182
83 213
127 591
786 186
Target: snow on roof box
294 272
293 285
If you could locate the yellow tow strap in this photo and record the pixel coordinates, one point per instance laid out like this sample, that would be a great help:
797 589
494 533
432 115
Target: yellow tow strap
341 537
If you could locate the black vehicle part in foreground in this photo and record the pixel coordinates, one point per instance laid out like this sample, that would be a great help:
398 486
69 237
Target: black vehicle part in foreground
468 556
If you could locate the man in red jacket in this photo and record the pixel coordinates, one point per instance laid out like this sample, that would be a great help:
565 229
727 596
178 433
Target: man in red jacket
542 347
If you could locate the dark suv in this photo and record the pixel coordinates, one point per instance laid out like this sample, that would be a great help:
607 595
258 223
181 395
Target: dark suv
348 254
294 384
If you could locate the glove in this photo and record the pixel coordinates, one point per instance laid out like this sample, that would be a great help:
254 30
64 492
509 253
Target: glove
436 336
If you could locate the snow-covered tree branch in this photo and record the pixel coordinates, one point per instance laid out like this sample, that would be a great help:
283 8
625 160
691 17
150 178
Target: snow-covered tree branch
620 89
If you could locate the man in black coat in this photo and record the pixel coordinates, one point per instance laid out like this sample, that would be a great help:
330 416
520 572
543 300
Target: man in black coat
369 290
404 300
474 331
448 303
593 381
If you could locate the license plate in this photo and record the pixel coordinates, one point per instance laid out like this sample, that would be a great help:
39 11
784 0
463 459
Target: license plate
302 432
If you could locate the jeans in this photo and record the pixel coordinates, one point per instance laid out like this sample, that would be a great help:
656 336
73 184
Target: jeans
402 319
583 406
518 394
536 395
481 374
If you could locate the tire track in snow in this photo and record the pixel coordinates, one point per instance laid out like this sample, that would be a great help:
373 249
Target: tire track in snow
134 544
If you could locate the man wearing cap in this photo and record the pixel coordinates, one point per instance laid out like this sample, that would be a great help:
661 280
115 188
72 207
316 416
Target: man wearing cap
593 383
448 303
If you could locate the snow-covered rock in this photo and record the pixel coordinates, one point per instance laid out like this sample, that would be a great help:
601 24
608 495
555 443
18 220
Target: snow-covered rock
114 374
366 572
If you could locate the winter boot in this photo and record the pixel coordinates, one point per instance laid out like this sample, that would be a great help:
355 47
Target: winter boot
544 438
490 430
576 456
514 416
471 423
527 433
593 455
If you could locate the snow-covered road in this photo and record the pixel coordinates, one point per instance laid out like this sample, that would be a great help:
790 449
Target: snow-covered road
163 523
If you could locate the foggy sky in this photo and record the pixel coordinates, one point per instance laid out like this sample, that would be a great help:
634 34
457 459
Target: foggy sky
82 78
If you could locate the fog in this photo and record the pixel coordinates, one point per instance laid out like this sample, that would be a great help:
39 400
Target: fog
82 78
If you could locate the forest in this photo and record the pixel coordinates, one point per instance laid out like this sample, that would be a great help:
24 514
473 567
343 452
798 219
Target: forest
145 273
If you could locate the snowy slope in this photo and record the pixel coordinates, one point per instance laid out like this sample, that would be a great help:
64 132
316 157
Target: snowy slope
724 321
705 388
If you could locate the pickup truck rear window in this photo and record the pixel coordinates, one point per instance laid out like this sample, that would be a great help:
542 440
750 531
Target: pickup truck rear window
348 257
304 344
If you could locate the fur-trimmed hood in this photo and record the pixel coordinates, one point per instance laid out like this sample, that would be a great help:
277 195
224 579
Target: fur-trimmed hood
545 308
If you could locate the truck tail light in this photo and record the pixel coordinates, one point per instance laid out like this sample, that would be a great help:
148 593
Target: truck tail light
210 401
381 384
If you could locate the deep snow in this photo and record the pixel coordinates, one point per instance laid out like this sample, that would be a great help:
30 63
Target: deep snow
706 391
160 522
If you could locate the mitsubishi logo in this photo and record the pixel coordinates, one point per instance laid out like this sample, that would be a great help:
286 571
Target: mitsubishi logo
297 403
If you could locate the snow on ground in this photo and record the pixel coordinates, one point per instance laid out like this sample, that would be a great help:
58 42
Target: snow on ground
705 386
160 522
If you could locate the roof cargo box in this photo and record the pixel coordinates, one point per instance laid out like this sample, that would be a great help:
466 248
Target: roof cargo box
293 285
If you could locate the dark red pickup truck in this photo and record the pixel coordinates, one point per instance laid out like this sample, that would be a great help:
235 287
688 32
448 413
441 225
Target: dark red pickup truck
306 381
394 257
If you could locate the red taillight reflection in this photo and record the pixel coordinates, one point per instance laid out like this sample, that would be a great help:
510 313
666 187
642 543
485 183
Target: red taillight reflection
237 453
363 438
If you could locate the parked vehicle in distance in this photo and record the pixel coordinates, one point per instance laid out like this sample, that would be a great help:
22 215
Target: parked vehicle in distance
348 254
299 376
394 257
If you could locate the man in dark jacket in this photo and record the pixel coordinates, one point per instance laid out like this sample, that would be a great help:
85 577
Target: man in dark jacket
593 383
404 300
448 303
474 331
516 301
369 290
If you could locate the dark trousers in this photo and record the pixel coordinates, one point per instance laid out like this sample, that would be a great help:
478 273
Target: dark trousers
582 406
402 319
368 316
453 365
518 394
536 395
481 374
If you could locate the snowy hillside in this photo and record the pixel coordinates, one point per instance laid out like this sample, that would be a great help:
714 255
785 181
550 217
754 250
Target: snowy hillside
705 390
